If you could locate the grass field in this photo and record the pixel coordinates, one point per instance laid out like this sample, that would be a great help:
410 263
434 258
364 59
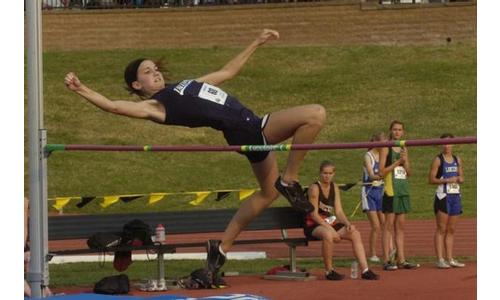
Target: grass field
431 89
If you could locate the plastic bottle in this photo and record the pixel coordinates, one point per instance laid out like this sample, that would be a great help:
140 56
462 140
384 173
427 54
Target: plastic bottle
160 233
354 270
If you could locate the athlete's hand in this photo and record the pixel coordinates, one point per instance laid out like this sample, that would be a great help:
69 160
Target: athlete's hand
266 35
72 82
403 155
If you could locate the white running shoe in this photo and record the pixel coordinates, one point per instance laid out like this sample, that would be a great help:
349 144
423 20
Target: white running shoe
374 259
454 263
442 264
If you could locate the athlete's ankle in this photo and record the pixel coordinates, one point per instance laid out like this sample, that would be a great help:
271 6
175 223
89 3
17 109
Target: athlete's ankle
287 180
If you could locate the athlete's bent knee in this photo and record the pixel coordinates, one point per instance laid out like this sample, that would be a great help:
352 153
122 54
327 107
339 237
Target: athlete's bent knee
317 115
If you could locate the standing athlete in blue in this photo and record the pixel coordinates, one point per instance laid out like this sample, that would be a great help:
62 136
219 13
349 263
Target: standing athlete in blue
447 172
201 103
371 194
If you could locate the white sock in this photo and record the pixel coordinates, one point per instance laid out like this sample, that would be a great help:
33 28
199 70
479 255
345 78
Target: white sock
364 270
283 183
222 252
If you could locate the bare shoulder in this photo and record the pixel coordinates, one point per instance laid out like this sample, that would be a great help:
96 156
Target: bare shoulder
436 161
155 110
313 188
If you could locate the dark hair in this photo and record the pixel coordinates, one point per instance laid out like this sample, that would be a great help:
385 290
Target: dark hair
446 135
324 164
130 74
394 123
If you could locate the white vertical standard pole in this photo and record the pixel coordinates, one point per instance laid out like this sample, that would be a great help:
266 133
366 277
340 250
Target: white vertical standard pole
38 272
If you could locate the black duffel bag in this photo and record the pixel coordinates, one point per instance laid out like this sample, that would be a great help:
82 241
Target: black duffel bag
113 285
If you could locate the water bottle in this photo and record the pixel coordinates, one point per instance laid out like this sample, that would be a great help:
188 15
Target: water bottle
354 270
160 233
331 219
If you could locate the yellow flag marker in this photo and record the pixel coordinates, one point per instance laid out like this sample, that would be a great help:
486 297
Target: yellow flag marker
109 200
200 197
155 197
61 202
243 194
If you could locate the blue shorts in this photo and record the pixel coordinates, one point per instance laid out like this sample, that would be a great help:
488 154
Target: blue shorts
450 205
371 198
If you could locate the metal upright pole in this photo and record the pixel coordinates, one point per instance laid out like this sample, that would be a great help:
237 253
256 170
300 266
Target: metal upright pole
38 272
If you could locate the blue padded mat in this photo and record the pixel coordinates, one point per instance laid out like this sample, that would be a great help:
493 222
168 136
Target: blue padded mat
89 296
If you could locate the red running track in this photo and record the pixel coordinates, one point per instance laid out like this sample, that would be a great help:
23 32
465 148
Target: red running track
426 282
419 241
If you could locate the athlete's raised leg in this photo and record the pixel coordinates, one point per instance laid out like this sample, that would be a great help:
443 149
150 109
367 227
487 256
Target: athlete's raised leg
303 123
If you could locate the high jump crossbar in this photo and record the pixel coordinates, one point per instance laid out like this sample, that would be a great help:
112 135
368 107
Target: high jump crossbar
49 148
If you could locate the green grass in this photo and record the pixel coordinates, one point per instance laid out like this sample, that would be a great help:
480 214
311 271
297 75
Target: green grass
87 274
431 89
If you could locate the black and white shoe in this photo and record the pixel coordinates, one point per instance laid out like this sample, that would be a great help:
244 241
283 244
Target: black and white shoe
215 259
390 266
369 275
295 195
408 265
332 275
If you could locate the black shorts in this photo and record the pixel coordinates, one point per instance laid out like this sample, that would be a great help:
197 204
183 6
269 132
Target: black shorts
250 132
309 229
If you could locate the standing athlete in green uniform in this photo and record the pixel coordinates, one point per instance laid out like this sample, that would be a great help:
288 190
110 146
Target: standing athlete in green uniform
395 168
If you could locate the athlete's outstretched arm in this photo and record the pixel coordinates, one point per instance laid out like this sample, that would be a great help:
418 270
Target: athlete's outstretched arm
232 68
127 108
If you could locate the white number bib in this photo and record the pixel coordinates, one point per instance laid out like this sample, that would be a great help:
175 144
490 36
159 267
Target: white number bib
452 188
212 93
399 172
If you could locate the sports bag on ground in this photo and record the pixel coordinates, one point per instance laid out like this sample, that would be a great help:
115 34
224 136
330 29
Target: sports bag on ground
113 285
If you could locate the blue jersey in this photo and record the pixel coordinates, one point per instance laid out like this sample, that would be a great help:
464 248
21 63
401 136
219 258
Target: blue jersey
372 190
197 104
375 167
447 170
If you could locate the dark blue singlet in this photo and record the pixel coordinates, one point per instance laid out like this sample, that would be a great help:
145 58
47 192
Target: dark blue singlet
196 104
